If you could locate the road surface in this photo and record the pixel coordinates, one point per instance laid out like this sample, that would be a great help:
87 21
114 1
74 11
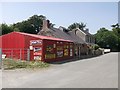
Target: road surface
0 79
97 72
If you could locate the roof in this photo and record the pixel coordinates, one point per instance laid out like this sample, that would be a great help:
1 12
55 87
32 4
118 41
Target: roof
87 33
41 36
65 35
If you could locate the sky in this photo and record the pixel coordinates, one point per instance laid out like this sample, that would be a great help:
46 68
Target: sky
94 14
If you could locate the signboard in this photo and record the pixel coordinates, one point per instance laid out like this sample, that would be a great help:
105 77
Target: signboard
71 50
36 42
37 51
59 51
50 54
49 49
71 53
37 57
66 52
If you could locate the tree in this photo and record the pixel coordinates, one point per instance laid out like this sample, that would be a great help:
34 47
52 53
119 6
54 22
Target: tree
32 25
116 31
77 25
107 39
5 29
116 26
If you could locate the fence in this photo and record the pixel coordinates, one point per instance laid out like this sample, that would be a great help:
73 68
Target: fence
22 54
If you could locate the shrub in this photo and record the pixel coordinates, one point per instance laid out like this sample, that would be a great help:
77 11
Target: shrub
95 47
13 64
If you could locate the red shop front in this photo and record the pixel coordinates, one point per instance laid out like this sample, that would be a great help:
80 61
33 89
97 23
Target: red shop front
51 50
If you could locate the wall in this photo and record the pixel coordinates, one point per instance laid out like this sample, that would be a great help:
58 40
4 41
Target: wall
81 35
13 40
90 39
13 46
84 49
57 50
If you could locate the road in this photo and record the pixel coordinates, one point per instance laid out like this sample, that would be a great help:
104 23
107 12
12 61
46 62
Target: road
0 79
97 72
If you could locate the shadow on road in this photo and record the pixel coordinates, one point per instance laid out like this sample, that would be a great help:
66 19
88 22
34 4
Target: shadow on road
84 57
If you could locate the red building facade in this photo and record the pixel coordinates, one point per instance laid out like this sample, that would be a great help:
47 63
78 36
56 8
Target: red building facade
42 48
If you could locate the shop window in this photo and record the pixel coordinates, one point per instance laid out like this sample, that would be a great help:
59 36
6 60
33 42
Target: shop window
59 51
50 54
66 50
50 49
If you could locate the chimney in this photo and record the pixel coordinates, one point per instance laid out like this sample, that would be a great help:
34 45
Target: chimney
61 28
77 26
87 30
45 24
75 31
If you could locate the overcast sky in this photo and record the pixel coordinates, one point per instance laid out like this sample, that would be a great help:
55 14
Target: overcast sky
94 14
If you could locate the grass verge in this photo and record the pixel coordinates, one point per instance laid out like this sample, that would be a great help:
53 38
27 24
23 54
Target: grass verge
15 64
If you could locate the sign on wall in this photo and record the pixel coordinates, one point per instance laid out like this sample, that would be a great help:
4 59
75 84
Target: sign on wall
37 57
50 54
36 42
66 51
37 51
59 51
71 52
49 49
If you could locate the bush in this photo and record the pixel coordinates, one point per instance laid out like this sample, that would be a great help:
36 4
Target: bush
95 47
14 64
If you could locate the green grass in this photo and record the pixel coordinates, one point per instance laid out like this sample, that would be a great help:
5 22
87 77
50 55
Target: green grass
14 64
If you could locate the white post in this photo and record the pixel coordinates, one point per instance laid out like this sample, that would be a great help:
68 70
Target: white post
28 54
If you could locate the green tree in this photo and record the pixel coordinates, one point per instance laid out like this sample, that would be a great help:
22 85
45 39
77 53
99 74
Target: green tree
116 31
77 25
117 26
107 39
32 25
4 29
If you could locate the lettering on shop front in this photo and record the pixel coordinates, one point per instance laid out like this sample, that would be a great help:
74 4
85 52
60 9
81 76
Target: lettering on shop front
66 51
50 54
59 51
36 42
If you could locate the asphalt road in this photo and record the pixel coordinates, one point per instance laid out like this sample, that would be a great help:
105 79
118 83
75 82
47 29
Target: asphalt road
0 79
98 72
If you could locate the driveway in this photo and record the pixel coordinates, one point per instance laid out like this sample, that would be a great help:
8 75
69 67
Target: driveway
97 72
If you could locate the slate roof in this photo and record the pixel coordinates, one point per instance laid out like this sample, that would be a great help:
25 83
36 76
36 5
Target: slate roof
87 33
55 32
